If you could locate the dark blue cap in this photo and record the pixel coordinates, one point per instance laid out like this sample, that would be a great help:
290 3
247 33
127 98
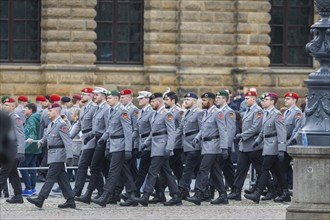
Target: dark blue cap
65 99
156 95
191 95
208 95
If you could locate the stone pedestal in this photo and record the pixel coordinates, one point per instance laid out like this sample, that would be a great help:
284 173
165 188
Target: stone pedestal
311 183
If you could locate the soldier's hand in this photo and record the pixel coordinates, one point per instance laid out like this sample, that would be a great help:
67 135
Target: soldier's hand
20 157
281 155
238 136
255 144
167 153
101 141
128 155
225 154
69 161
194 142
29 140
87 139
40 144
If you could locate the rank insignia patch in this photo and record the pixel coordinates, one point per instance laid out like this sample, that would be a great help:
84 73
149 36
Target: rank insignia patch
125 115
169 117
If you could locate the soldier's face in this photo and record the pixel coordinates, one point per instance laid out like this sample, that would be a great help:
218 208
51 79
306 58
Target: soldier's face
155 103
98 97
9 107
289 101
27 111
112 100
168 102
206 103
143 101
188 102
85 97
249 101
220 100
125 99
53 113
268 102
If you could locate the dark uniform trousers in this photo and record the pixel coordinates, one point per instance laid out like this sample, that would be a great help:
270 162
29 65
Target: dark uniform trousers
229 171
143 168
9 169
176 163
160 166
270 163
84 163
56 173
284 167
193 160
243 165
119 168
213 164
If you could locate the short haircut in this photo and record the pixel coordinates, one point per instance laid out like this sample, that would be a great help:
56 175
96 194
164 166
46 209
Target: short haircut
171 96
273 98
32 107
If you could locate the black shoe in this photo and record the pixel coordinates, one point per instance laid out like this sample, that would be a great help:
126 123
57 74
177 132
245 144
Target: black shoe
102 201
184 193
197 198
86 198
129 202
222 199
176 200
251 190
68 204
235 195
268 196
15 199
158 198
98 195
39 201
285 197
255 197
112 200
144 200
124 196
41 179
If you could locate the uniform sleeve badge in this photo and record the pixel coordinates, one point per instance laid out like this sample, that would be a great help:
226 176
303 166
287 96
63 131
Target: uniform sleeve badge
19 121
231 114
280 117
169 117
259 115
220 115
181 114
64 129
125 115
298 115
137 113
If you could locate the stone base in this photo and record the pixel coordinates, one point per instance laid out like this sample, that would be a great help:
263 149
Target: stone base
311 183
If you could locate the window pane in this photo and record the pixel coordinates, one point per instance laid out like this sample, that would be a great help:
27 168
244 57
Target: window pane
4 9
123 11
135 32
135 52
19 9
277 16
104 52
18 50
122 51
104 11
31 51
276 55
32 30
293 35
32 9
104 31
136 12
276 35
276 2
294 14
294 2
4 50
122 34
19 30
3 29
305 15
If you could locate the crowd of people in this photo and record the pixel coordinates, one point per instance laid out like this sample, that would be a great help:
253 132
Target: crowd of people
127 149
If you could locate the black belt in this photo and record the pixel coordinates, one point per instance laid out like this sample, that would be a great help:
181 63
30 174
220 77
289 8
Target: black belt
270 135
159 133
55 146
191 133
117 136
86 130
210 138
145 135
288 138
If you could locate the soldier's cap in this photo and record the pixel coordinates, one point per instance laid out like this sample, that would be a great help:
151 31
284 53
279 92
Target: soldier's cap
170 95
191 95
54 105
76 96
47 97
40 98
144 94
223 93
156 95
9 100
251 93
100 90
54 97
208 95
4 97
65 99
87 90
291 94
271 94
113 92
22 98
262 96
126 92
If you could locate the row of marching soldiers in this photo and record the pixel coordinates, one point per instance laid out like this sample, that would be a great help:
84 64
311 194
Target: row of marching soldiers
116 133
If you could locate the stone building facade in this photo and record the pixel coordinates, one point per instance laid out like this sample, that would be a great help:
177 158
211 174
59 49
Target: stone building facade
189 45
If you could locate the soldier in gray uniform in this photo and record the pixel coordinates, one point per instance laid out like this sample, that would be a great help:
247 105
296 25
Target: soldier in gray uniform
188 129
100 121
162 140
19 110
292 120
9 168
273 133
251 127
59 146
213 136
84 125
119 132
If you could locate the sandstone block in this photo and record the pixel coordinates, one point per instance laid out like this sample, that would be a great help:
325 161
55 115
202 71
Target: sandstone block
223 38
189 60
256 17
190 16
268 80
56 35
206 60
83 13
50 3
167 48
169 5
289 81
254 6
191 27
213 80
139 80
192 5
71 24
49 24
59 89
25 89
76 3
89 47
90 3
90 24
168 80
12 77
70 47
251 80
169 27
207 38
224 17
259 39
83 58
247 50
219 5
186 80
57 12
57 58
219 50
83 36
223 61
191 49
190 38
167 38
163 15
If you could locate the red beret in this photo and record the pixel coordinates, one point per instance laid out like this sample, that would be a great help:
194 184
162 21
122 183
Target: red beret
251 93
291 94
40 98
126 92
9 99
271 94
76 96
87 90
22 98
54 97
54 105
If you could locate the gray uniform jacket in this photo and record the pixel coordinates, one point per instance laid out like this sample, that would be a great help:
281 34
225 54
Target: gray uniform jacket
119 130
213 134
19 110
143 128
230 119
17 132
44 122
273 132
177 115
292 120
163 133
251 127
84 124
189 128
133 115
58 142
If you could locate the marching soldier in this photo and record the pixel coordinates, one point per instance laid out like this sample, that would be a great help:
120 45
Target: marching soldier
39 102
59 147
19 110
162 140
213 136
273 135
188 129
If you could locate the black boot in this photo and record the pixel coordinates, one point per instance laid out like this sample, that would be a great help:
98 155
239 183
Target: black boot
269 196
251 190
15 199
112 199
158 198
184 193
211 192
197 198
68 204
285 197
144 200
207 195
222 199
176 200
39 201
130 201
124 196
255 197
86 198
235 195
102 201
98 195
77 192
